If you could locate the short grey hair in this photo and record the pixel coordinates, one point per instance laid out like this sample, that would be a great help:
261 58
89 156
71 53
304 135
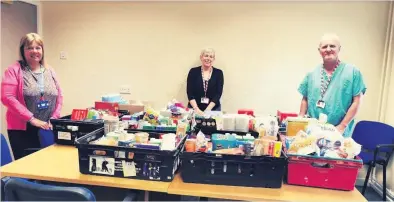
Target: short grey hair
208 50
330 36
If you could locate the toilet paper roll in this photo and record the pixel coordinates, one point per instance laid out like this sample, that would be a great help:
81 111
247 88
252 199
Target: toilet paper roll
228 122
242 123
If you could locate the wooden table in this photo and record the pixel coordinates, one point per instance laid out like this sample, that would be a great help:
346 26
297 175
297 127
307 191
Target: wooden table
286 193
60 164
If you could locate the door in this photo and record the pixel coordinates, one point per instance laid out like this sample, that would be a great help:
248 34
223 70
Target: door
17 19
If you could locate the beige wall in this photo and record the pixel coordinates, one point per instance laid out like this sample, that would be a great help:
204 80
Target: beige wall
265 49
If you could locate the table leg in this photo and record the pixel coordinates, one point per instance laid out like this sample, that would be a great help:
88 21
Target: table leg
146 196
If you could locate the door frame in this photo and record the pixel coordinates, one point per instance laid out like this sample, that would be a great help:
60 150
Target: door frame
38 4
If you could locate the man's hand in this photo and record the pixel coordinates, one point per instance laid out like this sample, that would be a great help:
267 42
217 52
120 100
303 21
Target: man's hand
350 114
341 128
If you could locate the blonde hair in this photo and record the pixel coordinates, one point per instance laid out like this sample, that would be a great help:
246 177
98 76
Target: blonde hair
27 40
208 50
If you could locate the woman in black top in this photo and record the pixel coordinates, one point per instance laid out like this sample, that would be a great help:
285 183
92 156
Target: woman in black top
205 84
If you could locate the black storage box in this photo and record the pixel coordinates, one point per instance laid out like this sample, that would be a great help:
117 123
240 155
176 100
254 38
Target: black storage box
127 162
66 130
233 170
205 124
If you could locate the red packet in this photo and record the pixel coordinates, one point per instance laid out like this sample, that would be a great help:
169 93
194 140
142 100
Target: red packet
110 106
79 114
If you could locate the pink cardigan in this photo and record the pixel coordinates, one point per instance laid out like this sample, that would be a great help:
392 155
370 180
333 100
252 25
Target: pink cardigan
12 97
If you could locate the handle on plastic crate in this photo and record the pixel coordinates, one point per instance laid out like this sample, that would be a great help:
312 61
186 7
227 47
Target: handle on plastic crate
321 165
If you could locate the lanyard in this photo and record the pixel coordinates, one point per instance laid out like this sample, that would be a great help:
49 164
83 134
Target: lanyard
41 82
205 82
325 82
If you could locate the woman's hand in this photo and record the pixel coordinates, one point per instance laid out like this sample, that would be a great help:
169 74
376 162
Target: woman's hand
50 125
39 124
199 112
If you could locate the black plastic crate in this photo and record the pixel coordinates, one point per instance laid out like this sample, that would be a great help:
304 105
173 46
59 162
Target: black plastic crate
66 131
126 162
233 170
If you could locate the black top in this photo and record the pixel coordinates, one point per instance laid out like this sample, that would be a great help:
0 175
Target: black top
195 87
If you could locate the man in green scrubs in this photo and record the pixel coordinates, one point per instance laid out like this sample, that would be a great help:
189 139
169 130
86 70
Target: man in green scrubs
334 88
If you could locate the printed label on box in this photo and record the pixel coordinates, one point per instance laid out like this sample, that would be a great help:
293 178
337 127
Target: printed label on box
63 135
129 169
119 166
102 165
120 154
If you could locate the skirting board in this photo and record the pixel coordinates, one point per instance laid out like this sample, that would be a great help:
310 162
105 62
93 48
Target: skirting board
379 189
374 184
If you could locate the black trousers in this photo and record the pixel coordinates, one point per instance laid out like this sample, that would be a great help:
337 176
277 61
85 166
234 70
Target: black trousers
20 140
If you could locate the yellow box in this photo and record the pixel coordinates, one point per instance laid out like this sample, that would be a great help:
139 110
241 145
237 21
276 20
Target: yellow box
294 125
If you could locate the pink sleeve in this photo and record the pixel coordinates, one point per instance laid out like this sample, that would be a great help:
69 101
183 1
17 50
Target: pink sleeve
9 89
59 101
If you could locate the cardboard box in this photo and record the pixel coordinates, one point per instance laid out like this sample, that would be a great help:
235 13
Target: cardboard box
135 106
295 124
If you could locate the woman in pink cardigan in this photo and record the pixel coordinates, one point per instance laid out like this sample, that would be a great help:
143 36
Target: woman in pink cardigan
32 95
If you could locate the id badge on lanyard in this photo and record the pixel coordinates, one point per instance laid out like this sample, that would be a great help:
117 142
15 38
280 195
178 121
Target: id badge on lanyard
321 104
324 86
205 99
42 104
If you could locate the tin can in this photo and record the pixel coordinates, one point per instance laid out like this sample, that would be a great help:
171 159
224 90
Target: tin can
247 146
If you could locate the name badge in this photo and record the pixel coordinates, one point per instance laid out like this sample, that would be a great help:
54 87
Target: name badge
204 100
321 104
42 105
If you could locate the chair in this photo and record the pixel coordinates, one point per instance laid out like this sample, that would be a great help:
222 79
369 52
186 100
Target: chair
23 190
17 189
46 137
377 140
5 151
5 159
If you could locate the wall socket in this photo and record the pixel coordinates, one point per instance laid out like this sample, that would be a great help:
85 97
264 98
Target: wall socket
125 89
63 55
